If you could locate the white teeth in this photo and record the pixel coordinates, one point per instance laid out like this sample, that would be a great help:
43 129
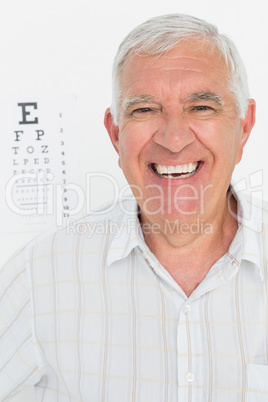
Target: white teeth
169 170
178 169
164 169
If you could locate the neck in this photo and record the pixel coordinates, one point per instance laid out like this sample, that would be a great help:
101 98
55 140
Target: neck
189 255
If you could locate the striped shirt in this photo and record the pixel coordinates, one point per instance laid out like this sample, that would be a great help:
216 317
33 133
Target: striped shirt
87 313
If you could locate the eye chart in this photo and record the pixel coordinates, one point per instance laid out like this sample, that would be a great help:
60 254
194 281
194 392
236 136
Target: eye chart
38 162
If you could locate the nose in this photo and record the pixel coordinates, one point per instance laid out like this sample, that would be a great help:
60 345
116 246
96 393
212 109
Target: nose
174 133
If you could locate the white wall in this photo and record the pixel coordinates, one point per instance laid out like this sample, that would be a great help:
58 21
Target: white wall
67 46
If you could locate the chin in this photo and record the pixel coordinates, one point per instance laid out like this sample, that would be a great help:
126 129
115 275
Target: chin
182 212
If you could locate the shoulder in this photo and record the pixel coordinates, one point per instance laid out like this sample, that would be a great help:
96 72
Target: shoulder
253 216
252 211
94 227
84 241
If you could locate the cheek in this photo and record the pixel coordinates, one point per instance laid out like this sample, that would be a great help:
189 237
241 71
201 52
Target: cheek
220 137
134 138
239 152
129 151
128 148
206 130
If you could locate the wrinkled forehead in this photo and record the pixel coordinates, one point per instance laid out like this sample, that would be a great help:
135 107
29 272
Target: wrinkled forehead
194 47
192 59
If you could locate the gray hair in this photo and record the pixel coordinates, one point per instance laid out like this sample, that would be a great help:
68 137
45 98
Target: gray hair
161 34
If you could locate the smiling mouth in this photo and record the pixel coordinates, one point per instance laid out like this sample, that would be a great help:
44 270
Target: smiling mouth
176 172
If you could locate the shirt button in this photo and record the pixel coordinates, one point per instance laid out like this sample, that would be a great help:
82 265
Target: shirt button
189 376
186 309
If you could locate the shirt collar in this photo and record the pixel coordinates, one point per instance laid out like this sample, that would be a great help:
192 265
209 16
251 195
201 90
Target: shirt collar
127 233
250 220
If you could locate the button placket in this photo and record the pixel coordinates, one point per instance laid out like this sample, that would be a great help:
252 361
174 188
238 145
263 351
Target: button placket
186 374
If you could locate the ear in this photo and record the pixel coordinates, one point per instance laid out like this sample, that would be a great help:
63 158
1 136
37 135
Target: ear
112 128
247 125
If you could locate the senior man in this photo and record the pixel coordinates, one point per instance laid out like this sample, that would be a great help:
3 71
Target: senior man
171 306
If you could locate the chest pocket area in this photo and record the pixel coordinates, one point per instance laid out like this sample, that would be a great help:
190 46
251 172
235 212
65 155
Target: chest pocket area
257 383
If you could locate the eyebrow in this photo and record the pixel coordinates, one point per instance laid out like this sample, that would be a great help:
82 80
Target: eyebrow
131 101
205 95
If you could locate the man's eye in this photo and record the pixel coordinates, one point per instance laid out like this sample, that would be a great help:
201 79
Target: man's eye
142 110
202 108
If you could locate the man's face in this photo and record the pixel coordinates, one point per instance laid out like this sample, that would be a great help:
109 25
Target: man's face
179 136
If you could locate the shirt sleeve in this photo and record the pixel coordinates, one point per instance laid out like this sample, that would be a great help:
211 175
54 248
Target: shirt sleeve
18 363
